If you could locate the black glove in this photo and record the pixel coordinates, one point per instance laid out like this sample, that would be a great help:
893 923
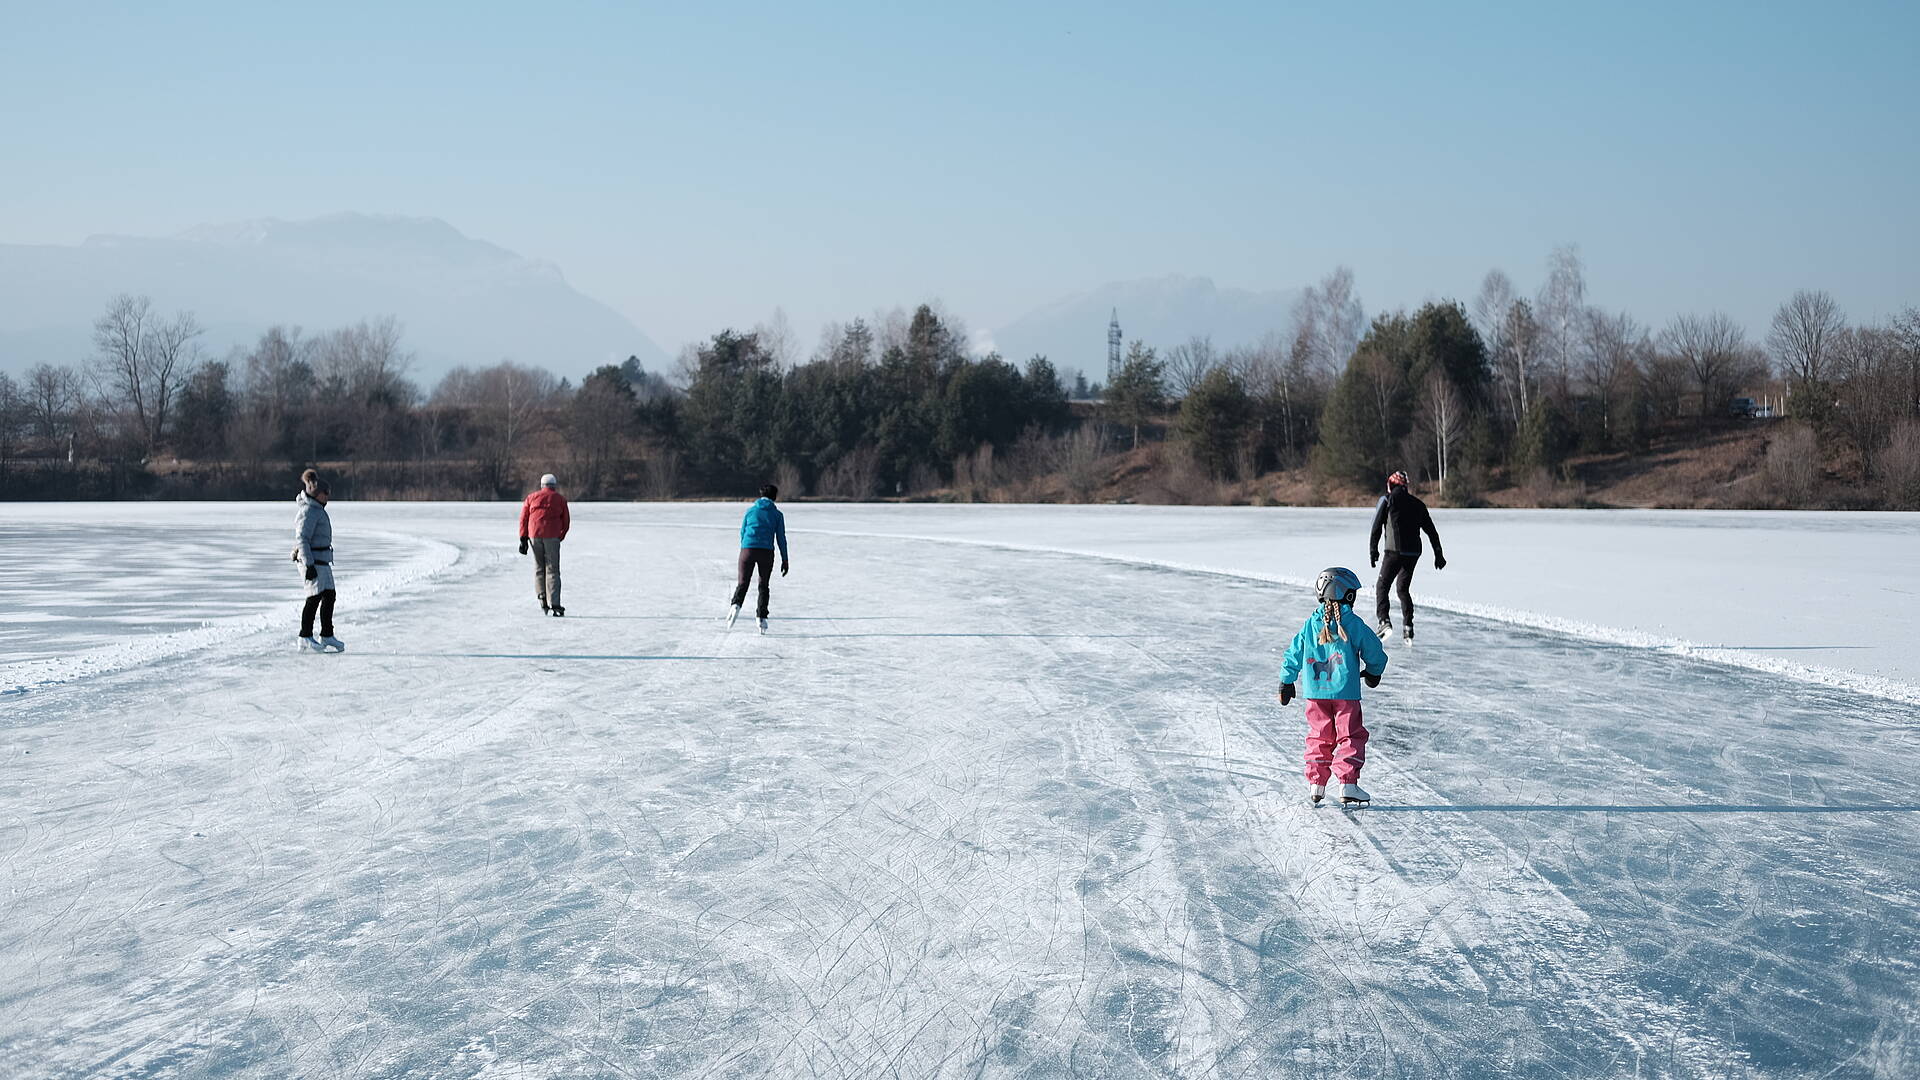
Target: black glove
1439 561
783 568
312 572
1373 558
1370 678
523 545
1286 694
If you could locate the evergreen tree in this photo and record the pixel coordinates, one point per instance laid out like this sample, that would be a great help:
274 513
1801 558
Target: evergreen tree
206 407
1045 401
983 402
1546 436
729 410
1443 337
1214 418
1370 408
1139 389
599 418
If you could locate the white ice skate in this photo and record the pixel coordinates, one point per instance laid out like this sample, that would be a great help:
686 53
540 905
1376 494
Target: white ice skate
733 614
332 643
1316 792
1352 794
1383 631
763 626
309 643
1406 636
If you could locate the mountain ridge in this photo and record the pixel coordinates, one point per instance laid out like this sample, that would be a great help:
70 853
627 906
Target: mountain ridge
462 300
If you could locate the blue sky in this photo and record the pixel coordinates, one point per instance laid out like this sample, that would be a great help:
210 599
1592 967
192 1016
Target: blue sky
695 168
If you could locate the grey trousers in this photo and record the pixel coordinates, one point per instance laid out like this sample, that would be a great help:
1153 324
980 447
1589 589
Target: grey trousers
546 569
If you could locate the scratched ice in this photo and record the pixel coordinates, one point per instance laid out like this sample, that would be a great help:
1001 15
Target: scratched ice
968 811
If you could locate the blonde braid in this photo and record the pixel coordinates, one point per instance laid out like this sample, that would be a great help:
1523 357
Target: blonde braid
1331 623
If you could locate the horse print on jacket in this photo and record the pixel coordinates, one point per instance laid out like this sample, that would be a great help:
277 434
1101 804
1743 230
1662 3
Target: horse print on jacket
1323 669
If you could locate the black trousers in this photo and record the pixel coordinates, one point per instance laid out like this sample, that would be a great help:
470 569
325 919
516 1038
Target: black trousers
752 559
323 601
1396 574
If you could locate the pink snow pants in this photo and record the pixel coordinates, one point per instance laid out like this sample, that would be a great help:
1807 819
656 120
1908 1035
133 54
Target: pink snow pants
1336 741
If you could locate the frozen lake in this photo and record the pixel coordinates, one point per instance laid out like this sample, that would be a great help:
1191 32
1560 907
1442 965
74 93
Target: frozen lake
1004 794
70 589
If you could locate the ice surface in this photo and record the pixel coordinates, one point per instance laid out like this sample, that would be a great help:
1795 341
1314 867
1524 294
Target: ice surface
969 811
120 586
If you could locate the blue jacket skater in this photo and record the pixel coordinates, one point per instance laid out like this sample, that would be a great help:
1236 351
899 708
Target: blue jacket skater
1333 668
764 526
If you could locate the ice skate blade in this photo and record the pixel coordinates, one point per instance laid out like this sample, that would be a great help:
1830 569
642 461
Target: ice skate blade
1346 802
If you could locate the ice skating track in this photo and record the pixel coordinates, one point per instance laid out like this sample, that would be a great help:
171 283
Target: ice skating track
965 813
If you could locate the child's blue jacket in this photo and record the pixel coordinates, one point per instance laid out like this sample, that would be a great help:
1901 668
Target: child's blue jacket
1333 669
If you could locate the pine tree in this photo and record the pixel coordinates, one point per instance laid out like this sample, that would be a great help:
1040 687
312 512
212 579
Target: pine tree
1139 390
1214 418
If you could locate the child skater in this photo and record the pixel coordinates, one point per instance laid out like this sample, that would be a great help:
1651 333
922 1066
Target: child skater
1338 652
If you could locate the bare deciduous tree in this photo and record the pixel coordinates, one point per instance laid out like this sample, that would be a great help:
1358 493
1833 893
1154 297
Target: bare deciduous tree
53 395
1518 358
1713 349
1869 376
14 414
1802 340
141 361
1906 331
1329 321
360 371
1491 306
599 420
1188 364
660 474
1899 466
1441 421
778 340
507 399
1614 354
1562 303
1793 465
119 342
173 353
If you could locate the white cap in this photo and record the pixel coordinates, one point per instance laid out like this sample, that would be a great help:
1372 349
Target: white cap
549 480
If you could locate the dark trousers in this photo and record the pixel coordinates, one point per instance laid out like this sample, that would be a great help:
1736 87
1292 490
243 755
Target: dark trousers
323 601
1396 574
752 559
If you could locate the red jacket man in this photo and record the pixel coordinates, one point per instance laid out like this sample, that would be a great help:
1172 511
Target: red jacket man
543 524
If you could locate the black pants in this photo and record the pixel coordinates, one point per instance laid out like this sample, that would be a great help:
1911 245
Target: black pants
324 602
752 559
1396 574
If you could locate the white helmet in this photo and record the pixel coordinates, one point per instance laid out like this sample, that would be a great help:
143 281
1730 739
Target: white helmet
549 480
1337 583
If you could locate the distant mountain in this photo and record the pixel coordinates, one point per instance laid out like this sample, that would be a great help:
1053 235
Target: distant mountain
1159 311
461 300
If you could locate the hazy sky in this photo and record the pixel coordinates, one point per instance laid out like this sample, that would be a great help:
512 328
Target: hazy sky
696 165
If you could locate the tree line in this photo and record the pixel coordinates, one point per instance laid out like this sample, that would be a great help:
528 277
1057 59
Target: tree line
1508 390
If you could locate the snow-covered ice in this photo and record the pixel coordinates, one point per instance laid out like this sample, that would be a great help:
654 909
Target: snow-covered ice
1005 793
